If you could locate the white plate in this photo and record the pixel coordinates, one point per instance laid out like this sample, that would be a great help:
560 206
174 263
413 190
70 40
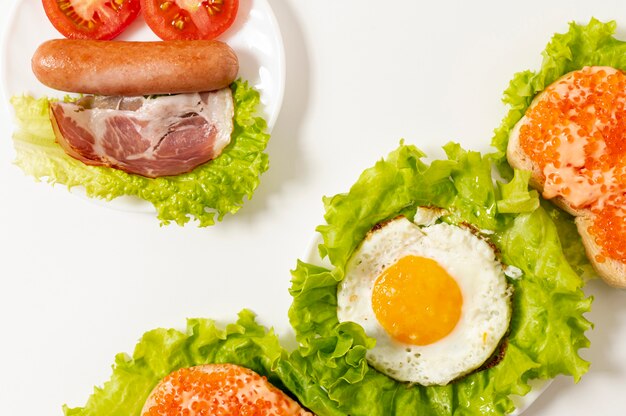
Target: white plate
521 402
255 36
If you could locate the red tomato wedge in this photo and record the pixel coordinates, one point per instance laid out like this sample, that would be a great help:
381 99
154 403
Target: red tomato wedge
91 19
189 19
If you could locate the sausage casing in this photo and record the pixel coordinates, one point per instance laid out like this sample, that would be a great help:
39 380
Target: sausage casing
135 68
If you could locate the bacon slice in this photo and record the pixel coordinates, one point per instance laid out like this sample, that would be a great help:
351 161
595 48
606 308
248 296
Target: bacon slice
152 137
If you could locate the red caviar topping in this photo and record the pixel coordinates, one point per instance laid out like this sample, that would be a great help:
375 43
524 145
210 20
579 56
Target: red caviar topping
219 390
576 134
609 229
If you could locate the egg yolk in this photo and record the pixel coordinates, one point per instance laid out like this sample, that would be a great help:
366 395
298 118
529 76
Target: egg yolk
416 301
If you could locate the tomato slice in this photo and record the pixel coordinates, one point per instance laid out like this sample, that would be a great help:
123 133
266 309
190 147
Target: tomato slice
91 19
189 19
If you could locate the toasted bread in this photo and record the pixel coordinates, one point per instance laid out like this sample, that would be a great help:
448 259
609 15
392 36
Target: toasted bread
612 271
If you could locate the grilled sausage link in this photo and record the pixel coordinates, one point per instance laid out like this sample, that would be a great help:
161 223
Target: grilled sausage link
135 68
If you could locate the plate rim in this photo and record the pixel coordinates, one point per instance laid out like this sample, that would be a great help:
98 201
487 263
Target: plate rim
4 44
282 65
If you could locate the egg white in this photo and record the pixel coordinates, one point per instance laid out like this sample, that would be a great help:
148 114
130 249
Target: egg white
470 260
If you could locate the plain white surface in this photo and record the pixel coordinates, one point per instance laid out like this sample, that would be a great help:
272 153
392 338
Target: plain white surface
81 282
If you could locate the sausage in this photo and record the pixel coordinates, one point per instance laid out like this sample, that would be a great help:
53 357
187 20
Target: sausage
135 68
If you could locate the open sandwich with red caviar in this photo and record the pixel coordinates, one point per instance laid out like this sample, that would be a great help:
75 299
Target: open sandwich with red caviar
433 290
218 389
207 371
570 133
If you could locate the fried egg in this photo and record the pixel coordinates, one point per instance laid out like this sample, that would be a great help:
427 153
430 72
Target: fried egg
435 298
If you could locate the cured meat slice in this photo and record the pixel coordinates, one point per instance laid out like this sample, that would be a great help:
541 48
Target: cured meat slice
152 137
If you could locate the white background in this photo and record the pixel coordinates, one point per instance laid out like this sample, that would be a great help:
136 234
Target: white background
80 282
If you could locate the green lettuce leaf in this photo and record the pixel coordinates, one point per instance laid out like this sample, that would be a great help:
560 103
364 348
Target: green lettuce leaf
515 195
162 351
212 190
547 327
582 45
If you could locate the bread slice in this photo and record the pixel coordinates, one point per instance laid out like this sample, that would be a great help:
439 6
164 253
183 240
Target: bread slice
612 271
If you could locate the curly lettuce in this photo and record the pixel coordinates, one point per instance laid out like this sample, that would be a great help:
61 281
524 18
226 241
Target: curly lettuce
210 191
162 351
548 324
